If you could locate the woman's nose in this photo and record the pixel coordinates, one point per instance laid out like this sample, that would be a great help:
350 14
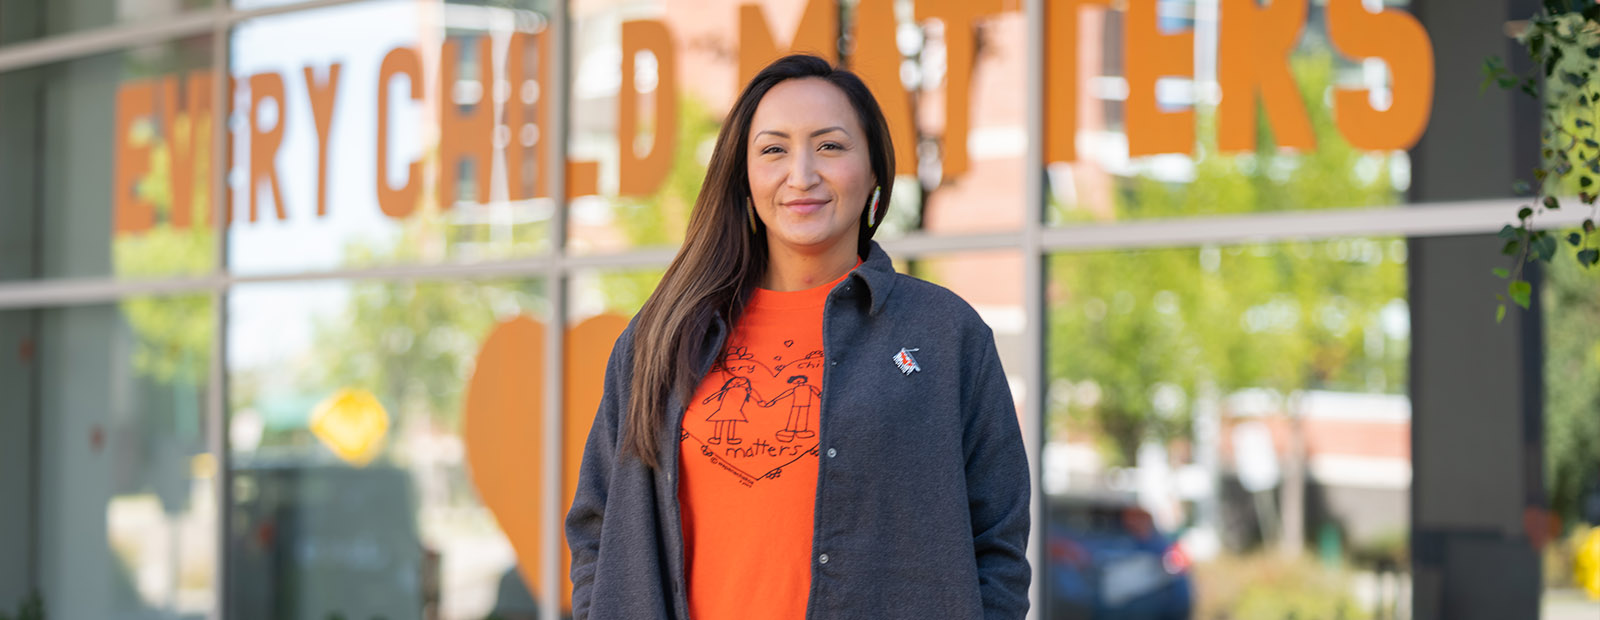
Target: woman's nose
803 171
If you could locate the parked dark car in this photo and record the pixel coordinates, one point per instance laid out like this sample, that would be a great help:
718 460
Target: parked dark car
1106 559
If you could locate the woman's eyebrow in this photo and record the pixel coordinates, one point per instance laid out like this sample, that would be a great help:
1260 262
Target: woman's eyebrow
813 134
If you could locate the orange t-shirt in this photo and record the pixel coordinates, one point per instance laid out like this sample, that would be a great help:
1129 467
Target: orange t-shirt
748 463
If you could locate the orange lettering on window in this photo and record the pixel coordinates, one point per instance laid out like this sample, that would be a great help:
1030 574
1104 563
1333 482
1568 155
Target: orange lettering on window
264 143
1255 46
186 130
132 212
466 133
523 136
643 174
1399 41
819 27
1061 78
1151 55
323 94
877 60
960 17
401 201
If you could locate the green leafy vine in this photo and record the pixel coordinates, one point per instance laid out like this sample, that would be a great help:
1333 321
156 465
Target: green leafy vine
1563 41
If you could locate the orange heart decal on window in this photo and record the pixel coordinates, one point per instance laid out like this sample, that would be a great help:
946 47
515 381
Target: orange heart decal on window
503 429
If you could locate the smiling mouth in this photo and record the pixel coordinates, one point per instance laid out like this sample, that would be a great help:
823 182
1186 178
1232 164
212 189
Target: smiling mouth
805 206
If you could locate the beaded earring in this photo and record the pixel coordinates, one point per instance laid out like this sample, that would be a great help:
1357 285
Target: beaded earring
872 210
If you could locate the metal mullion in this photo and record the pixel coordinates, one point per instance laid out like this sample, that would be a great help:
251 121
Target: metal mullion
555 161
235 16
87 291
101 40
1033 370
145 32
919 244
1421 220
658 257
217 379
83 291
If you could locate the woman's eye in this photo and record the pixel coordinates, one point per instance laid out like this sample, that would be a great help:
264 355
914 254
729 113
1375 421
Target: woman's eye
772 149
831 145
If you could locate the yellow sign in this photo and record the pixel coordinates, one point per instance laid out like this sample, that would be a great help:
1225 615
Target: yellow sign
352 423
1586 566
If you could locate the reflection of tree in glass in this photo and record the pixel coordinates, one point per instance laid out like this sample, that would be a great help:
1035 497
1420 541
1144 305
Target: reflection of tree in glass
1287 316
1572 386
661 219
413 344
174 333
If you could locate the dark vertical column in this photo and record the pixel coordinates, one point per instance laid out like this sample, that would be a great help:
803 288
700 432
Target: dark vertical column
19 153
1475 385
18 461
20 131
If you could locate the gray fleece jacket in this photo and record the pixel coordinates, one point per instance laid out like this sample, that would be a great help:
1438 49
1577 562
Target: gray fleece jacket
922 490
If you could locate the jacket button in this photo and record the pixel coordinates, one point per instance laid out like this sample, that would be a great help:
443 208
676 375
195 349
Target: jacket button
832 453
822 559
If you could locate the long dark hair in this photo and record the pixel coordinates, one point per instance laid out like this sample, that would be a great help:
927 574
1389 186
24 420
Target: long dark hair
721 260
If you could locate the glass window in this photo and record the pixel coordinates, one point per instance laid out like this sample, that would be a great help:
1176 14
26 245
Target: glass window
649 89
106 432
388 132
25 20
652 85
614 292
106 165
1224 426
386 449
1178 108
964 69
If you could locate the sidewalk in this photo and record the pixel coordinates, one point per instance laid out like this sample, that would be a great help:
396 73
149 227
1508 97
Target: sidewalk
1569 604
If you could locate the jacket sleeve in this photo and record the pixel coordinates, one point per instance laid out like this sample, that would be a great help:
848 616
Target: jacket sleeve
998 489
586 518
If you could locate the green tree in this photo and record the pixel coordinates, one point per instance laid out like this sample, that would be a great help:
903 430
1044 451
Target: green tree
1572 384
412 343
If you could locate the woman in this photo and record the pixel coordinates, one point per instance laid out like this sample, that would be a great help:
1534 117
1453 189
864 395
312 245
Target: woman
911 498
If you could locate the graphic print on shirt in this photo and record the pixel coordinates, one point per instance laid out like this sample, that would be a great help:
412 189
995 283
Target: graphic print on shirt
752 419
725 420
799 424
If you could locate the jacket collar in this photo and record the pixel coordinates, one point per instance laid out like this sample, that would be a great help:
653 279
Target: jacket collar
877 273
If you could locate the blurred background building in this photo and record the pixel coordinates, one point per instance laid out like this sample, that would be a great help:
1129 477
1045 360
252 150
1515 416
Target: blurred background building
304 303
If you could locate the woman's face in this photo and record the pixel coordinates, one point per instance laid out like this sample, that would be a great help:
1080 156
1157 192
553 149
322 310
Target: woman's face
810 174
